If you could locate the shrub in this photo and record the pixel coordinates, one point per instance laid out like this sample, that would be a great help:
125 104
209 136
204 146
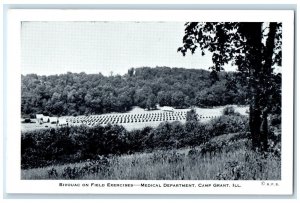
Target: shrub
275 119
72 144
227 124
230 111
192 115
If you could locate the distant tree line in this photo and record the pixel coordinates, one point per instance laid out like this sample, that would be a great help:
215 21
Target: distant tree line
78 143
85 94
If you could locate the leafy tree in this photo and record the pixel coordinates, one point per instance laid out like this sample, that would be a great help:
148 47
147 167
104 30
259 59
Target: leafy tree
142 95
131 72
178 99
86 94
164 98
192 115
230 111
254 51
151 102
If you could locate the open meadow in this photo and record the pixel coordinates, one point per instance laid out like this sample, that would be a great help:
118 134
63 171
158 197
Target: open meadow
138 118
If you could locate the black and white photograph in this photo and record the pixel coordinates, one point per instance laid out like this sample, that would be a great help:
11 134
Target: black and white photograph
153 103
151 100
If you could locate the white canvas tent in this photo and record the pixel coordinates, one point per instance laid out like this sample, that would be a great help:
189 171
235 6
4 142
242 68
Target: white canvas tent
62 122
167 108
53 119
40 118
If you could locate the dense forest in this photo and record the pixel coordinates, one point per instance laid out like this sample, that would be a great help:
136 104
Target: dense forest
85 94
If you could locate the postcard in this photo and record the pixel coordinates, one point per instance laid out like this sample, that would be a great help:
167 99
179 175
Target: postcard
150 102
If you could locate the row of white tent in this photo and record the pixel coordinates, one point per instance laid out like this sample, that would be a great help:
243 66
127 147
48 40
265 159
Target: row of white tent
116 118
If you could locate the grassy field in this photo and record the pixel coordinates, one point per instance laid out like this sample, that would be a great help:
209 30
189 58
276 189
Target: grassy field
206 115
226 157
36 126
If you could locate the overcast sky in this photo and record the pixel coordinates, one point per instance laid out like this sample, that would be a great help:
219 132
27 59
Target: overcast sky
58 47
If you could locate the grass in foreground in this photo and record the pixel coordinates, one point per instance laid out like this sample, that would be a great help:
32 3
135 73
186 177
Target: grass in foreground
226 157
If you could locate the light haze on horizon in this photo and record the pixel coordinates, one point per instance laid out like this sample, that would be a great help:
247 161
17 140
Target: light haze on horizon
49 48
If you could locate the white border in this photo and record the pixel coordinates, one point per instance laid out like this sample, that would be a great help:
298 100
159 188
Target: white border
147 2
15 185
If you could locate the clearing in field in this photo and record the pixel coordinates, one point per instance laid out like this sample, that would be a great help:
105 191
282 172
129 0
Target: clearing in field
137 118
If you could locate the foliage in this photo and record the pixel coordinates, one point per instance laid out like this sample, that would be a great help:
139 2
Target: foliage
231 42
228 124
230 111
192 115
255 47
254 166
86 94
226 157
72 144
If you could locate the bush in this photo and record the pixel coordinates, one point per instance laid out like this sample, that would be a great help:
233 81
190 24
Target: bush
72 144
227 124
275 119
230 111
192 115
